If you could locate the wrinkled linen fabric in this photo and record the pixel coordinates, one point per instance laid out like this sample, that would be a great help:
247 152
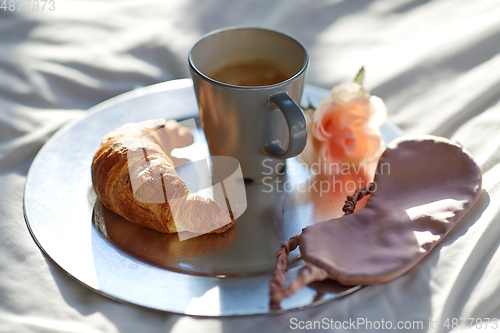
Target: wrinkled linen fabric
436 64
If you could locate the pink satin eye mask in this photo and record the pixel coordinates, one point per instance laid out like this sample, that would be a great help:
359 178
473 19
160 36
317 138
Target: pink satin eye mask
423 187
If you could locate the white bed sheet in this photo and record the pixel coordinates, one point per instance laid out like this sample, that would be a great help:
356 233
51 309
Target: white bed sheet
435 63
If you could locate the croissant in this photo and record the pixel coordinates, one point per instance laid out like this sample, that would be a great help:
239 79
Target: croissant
134 175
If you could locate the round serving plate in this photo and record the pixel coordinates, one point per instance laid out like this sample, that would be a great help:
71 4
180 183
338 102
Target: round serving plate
209 275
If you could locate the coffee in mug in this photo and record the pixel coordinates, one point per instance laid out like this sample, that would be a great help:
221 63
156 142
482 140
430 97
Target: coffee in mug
252 73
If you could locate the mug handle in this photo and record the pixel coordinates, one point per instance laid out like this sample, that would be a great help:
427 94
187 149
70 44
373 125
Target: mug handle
297 128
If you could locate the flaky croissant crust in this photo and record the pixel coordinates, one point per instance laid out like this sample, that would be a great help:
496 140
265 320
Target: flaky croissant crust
133 175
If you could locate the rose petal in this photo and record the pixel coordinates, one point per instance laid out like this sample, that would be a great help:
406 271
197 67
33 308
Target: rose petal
369 144
326 121
323 103
356 110
379 112
309 116
347 92
342 134
309 152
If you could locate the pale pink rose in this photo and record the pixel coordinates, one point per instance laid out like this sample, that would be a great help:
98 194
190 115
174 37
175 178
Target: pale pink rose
344 130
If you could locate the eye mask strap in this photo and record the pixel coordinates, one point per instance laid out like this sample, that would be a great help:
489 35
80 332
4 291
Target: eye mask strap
352 200
310 273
